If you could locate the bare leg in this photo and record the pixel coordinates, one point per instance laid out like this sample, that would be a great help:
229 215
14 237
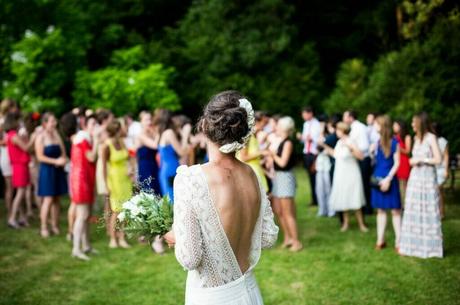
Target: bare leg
113 232
289 213
29 198
359 217
121 238
381 225
402 187
79 231
345 221
8 194
107 214
277 209
44 211
55 209
12 221
71 216
396 219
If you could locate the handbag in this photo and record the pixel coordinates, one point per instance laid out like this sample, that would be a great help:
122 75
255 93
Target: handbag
375 181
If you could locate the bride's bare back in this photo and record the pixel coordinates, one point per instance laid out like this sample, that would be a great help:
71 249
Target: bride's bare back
235 193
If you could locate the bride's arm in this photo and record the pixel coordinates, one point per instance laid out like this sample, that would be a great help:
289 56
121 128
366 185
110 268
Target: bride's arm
269 228
186 226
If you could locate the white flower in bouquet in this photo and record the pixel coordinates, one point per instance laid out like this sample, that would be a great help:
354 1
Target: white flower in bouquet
146 215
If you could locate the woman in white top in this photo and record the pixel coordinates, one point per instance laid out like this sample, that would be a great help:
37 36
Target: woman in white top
222 215
347 187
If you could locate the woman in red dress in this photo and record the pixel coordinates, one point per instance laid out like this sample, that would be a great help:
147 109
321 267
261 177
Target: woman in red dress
82 182
405 146
18 150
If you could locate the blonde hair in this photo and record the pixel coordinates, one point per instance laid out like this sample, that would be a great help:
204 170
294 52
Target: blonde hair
385 133
287 124
6 106
344 127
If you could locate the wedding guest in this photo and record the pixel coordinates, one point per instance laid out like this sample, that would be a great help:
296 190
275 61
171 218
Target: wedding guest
33 128
171 147
347 192
405 147
252 155
421 234
284 184
68 126
146 152
82 185
7 106
180 123
310 136
52 181
104 117
359 136
385 195
372 132
115 158
323 178
134 129
442 169
18 149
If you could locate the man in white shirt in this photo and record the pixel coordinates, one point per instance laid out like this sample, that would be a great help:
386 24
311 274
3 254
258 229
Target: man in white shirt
374 136
310 136
359 134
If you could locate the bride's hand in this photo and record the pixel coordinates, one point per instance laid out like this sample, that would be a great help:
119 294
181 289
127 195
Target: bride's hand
170 239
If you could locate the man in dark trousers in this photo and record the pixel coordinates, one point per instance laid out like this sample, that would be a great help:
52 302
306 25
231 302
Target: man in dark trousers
310 135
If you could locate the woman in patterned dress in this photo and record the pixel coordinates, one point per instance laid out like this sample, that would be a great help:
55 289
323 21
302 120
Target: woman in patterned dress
421 234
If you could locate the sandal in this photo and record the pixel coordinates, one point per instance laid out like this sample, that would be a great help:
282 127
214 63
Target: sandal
381 246
13 225
81 256
44 233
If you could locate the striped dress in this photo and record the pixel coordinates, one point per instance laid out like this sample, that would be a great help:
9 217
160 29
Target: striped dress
421 234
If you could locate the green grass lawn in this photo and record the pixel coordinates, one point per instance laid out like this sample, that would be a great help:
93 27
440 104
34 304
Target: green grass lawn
334 268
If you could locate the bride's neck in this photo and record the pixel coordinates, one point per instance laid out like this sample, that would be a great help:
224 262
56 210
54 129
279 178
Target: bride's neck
217 157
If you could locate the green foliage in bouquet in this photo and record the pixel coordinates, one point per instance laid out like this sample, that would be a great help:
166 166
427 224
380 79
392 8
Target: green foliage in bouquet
146 215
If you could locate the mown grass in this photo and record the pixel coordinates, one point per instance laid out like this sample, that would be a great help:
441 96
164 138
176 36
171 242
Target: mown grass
334 268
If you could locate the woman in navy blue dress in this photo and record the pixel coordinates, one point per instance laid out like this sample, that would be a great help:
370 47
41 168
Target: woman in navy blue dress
147 148
52 180
385 196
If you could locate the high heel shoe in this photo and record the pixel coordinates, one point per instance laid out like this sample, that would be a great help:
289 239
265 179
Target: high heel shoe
44 233
81 256
381 246
55 231
296 247
13 225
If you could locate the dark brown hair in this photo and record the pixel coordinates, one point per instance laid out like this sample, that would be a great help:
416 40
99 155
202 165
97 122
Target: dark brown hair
113 128
11 121
424 125
163 120
223 120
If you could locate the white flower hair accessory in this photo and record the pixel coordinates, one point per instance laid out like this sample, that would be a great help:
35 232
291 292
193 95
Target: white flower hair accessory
238 145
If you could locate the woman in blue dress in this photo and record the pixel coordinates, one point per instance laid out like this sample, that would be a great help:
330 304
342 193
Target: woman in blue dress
173 145
147 148
385 192
52 180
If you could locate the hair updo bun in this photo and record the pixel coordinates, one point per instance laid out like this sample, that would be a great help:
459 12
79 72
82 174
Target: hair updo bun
223 120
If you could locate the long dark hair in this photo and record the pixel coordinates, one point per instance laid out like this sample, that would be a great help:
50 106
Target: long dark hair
403 132
424 125
163 120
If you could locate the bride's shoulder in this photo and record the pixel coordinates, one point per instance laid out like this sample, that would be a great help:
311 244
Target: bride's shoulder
187 174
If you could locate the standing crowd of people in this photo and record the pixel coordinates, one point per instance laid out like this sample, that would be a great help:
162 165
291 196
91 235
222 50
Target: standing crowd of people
352 167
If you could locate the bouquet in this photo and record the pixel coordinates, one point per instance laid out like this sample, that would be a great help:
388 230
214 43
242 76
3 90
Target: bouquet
146 215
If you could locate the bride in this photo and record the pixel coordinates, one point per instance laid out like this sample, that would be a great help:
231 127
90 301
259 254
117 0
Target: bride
222 216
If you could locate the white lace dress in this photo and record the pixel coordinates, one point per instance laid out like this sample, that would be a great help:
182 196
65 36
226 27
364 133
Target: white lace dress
203 249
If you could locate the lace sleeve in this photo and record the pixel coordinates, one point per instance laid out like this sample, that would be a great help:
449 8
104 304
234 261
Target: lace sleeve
269 228
186 226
